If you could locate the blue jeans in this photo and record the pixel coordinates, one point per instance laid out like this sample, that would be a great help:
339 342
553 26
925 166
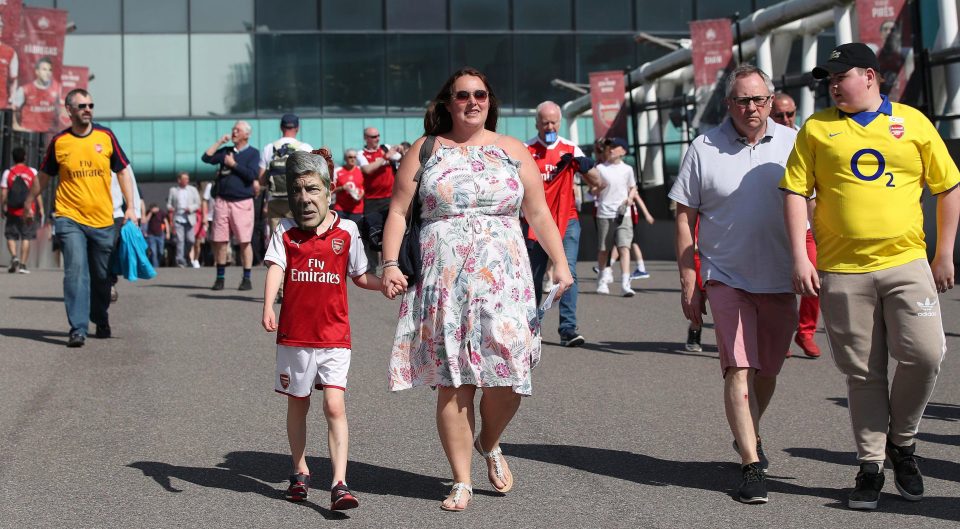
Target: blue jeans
156 244
538 265
86 277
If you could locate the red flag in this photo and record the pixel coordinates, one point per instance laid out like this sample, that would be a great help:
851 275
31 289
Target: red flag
9 64
885 27
38 99
712 53
72 77
606 97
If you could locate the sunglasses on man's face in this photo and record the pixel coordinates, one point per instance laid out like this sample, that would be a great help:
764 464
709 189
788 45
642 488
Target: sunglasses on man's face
782 115
371 136
84 106
463 95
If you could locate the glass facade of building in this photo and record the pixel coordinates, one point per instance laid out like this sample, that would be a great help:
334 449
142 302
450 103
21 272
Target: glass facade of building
259 58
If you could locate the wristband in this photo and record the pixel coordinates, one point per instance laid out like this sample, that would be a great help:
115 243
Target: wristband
389 265
390 262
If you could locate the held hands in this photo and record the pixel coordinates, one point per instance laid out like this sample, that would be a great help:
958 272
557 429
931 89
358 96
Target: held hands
943 273
393 282
269 320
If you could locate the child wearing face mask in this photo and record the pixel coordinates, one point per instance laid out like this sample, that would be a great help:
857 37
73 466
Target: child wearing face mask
312 255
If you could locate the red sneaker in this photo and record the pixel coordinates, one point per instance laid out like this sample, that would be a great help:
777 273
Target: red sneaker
805 341
342 499
299 487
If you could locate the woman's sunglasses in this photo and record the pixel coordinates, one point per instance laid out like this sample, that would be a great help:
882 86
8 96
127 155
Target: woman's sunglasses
479 95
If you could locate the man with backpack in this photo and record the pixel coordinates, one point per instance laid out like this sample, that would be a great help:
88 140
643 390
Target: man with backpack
273 166
15 184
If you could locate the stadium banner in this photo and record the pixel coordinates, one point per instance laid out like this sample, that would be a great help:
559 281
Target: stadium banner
606 98
885 27
9 65
72 77
712 43
40 47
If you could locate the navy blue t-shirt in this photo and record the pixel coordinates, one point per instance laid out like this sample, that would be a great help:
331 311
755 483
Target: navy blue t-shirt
235 183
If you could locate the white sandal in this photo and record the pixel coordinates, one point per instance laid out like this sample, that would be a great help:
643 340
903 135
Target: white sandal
495 456
455 494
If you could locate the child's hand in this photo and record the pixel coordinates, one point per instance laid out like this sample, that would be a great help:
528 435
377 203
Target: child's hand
269 321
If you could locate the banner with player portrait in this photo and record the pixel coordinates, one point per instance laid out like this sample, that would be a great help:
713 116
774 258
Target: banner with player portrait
885 27
606 98
37 100
72 77
9 64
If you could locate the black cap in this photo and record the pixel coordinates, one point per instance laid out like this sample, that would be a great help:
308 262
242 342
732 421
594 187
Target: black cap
618 142
846 56
289 121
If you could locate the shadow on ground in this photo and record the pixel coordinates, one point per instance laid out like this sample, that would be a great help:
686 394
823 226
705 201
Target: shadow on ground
37 335
233 297
937 411
57 299
672 348
263 473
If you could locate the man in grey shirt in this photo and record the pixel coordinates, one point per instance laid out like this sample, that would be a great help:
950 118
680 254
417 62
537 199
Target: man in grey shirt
729 180
183 201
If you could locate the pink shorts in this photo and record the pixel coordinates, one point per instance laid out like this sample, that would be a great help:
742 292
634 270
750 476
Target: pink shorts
753 330
236 217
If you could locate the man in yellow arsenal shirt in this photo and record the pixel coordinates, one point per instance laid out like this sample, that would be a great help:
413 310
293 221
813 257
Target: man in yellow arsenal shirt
83 157
868 159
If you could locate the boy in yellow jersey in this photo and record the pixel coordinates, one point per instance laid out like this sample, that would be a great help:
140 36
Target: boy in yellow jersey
868 159
83 156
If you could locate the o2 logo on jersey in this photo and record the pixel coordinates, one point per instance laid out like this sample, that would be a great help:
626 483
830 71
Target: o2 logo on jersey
881 166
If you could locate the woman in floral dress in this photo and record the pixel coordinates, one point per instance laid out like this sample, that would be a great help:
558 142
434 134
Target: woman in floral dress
471 321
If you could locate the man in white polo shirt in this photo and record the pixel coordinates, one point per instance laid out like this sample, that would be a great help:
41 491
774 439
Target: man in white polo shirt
729 179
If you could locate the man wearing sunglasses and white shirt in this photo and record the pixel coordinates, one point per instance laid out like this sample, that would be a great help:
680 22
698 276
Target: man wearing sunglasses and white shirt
729 179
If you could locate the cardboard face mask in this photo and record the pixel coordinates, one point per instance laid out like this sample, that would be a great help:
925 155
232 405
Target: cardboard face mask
309 201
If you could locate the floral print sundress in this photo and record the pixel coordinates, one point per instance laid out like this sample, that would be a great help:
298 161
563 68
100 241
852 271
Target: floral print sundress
472 319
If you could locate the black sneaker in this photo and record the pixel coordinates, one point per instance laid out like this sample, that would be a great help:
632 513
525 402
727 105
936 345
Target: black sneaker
103 331
753 488
906 474
764 463
14 266
693 340
342 499
299 486
869 484
245 284
571 340
76 340
218 284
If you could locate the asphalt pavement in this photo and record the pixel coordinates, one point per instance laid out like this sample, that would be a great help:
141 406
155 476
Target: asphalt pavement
173 422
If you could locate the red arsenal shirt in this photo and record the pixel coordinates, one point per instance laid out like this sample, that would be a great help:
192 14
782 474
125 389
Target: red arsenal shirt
345 202
380 183
558 187
315 270
39 111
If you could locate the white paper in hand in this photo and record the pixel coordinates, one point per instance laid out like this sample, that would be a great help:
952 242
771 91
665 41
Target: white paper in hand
548 299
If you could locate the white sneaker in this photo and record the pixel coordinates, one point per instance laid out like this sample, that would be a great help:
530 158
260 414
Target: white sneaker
602 287
627 291
607 275
195 263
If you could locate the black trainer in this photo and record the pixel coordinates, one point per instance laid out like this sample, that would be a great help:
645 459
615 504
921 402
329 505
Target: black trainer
76 340
693 340
753 489
299 487
103 331
764 462
218 284
866 494
14 265
245 284
342 499
906 473
572 340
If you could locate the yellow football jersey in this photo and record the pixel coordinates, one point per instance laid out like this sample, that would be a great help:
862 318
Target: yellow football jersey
868 180
84 165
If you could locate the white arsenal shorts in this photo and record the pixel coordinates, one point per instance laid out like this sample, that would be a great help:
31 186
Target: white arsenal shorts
300 369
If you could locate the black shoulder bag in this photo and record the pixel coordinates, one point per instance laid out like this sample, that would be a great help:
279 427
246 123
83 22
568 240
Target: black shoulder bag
409 258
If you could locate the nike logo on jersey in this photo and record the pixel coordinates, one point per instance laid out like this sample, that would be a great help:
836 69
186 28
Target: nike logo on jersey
832 134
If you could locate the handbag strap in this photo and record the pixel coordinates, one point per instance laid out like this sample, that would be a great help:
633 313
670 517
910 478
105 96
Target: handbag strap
426 150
